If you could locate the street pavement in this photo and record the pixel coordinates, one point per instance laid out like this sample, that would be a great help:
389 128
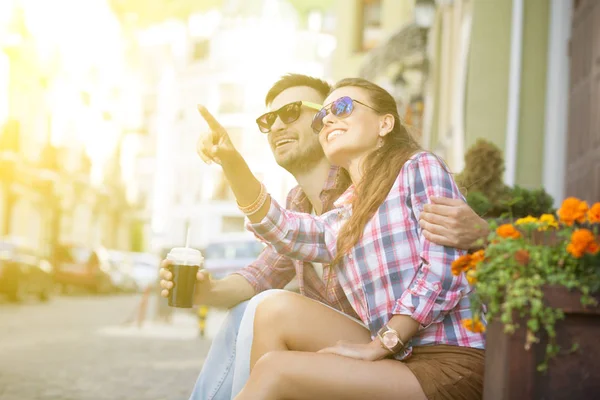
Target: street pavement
80 348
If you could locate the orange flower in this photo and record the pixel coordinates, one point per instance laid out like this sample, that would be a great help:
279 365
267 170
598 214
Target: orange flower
477 257
522 257
473 325
575 251
461 264
572 210
508 231
593 214
582 241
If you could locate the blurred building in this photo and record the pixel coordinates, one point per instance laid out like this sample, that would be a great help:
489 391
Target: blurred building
62 118
226 60
385 41
518 73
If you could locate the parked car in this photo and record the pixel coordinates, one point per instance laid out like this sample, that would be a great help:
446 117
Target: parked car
23 272
82 267
223 257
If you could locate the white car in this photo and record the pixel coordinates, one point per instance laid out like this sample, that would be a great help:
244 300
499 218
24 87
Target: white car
226 256
145 269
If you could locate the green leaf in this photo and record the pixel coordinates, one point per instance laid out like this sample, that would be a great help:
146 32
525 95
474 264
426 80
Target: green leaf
533 325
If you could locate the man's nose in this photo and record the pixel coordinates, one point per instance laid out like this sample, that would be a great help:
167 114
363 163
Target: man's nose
278 125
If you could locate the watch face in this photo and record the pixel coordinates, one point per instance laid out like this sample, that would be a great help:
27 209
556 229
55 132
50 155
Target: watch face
390 340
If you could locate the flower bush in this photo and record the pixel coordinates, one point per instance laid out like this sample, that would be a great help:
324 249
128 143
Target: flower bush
521 258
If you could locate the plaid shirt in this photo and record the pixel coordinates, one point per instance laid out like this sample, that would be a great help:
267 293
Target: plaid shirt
273 271
393 269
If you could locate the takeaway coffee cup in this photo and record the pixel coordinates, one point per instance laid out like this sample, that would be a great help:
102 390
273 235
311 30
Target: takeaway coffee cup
185 263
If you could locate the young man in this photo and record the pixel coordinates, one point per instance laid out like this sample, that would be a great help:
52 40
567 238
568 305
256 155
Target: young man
294 100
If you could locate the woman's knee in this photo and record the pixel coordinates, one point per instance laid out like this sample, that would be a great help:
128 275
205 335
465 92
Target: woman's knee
270 368
276 307
267 379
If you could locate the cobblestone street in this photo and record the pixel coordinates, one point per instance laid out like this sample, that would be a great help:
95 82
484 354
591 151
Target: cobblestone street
77 348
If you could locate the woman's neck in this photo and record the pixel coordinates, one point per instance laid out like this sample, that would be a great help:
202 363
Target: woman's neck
354 168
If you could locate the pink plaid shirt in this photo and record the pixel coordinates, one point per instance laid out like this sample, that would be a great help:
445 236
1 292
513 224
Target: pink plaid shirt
273 271
393 269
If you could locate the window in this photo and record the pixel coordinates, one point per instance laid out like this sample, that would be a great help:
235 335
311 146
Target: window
370 32
200 50
232 98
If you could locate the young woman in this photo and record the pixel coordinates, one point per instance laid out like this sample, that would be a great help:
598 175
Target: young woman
410 342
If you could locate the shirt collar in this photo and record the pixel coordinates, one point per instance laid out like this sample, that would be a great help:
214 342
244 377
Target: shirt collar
346 197
337 182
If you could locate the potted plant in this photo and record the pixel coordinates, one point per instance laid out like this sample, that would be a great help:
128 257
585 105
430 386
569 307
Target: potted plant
483 186
537 284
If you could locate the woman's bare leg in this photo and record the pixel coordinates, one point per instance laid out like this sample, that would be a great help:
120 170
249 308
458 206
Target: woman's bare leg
293 375
289 321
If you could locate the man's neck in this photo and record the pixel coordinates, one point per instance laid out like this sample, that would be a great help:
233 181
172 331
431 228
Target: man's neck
312 182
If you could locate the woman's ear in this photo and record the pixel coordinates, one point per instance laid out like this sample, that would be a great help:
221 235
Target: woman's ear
386 124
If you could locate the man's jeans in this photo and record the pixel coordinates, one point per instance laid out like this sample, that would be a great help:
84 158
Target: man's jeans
227 366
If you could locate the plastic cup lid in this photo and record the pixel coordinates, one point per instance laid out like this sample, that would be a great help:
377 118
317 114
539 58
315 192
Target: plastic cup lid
185 256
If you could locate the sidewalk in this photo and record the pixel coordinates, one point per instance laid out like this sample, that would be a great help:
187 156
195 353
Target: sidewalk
183 326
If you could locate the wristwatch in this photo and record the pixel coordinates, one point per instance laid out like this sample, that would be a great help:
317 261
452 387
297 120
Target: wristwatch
390 340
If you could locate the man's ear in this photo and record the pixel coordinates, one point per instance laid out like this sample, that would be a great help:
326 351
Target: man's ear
386 125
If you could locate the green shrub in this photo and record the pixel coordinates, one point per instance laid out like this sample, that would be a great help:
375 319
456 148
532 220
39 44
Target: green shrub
521 202
479 203
482 183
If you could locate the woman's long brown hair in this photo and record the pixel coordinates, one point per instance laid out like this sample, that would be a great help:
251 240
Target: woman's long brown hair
380 168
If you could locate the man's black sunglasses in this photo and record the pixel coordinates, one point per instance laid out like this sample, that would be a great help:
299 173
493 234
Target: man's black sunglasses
287 114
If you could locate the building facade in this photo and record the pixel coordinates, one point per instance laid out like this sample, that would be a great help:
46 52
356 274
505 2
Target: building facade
62 114
518 73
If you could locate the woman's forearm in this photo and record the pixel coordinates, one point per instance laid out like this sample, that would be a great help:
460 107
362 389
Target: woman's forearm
305 237
405 326
245 186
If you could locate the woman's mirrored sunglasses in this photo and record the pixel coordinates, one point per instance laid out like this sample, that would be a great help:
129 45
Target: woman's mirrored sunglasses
287 114
341 108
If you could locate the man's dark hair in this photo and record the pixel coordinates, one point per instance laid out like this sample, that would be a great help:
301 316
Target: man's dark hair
294 80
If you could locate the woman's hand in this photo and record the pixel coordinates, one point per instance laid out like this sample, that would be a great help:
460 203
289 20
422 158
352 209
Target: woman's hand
215 145
367 352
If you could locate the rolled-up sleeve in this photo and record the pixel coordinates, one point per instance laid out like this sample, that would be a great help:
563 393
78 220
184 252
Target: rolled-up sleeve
434 290
297 235
270 271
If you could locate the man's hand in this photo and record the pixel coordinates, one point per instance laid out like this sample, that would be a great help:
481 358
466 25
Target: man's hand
215 145
451 222
203 286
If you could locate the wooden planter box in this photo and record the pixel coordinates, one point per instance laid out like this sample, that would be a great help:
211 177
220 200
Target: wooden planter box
510 370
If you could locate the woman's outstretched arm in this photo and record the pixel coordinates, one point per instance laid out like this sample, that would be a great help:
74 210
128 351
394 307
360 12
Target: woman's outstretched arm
296 235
